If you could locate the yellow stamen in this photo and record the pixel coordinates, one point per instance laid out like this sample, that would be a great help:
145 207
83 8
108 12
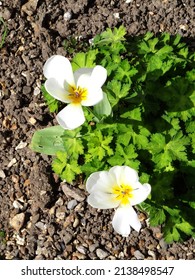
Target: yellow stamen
123 193
77 94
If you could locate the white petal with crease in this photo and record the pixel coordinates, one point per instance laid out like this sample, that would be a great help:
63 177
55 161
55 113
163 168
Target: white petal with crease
102 200
98 76
59 67
125 218
140 193
56 90
71 116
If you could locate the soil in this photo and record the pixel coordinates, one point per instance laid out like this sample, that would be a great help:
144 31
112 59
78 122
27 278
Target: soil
41 217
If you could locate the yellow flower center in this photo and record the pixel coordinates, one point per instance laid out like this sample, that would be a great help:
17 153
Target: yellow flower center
77 94
123 193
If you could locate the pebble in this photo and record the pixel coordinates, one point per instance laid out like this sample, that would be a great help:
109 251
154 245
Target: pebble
67 16
67 238
12 162
32 121
36 91
152 254
163 244
139 255
60 212
2 174
73 192
76 223
41 226
30 7
17 221
81 249
92 247
116 15
20 240
69 220
71 204
21 145
17 205
101 254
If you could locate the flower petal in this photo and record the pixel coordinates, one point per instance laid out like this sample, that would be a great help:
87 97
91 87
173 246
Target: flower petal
125 218
102 200
71 116
124 175
81 71
98 76
100 181
94 96
59 67
56 90
140 193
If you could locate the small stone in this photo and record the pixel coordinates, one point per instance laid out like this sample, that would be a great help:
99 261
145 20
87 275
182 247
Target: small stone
60 213
30 7
12 162
17 205
41 226
82 249
163 244
71 204
67 16
36 91
21 145
20 240
152 254
17 221
2 174
32 121
69 220
67 238
116 15
101 254
183 27
139 255
73 192
92 247
76 223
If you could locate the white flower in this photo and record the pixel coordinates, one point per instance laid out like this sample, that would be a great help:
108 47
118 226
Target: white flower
118 188
81 88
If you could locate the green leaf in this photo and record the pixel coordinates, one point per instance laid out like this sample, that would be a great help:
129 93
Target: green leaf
171 234
48 140
67 168
185 227
157 217
177 146
84 60
110 36
124 156
156 214
98 146
73 142
103 108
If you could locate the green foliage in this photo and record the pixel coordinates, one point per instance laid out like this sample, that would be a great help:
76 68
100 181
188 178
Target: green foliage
146 121
48 140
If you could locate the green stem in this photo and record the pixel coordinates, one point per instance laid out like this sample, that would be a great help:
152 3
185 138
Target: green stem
96 116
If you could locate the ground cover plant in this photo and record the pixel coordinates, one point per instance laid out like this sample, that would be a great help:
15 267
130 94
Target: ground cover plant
145 121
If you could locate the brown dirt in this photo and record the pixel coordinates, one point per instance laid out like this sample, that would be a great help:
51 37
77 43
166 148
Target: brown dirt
40 221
